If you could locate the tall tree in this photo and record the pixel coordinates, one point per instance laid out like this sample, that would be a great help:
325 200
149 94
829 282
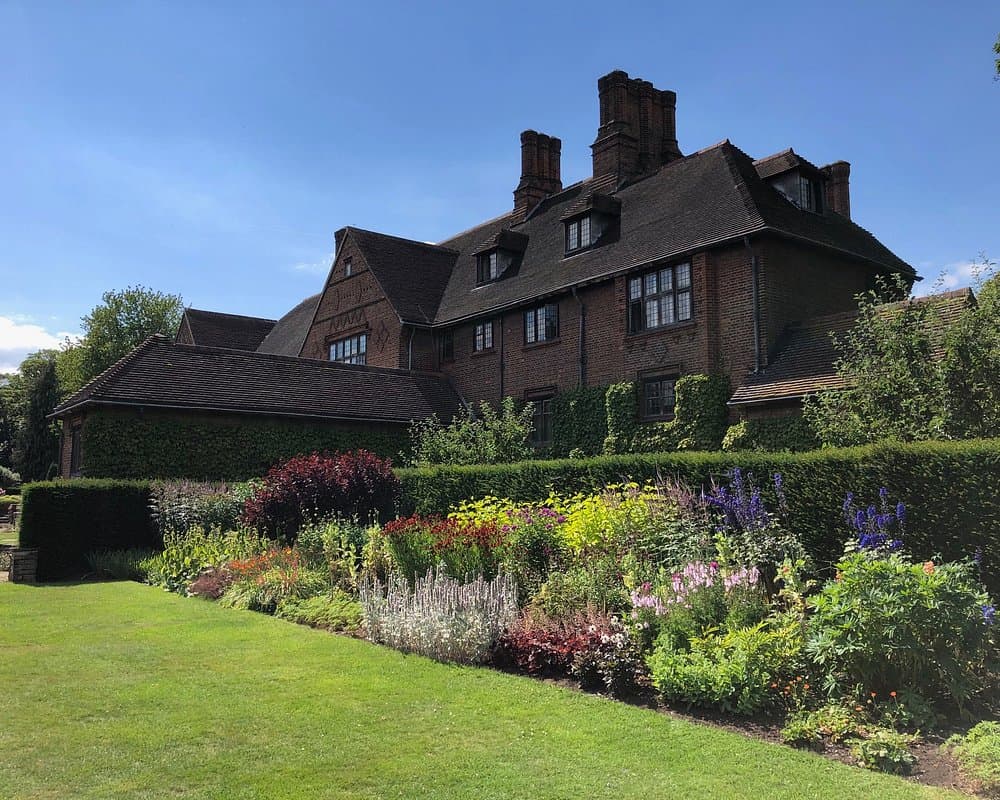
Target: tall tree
34 392
121 321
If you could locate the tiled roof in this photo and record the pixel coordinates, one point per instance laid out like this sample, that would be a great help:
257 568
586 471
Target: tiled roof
781 162
212 329
163 374
805 361
412 274
290 331
707 198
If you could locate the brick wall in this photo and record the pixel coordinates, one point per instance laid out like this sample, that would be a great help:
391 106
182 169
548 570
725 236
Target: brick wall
66 443
355 304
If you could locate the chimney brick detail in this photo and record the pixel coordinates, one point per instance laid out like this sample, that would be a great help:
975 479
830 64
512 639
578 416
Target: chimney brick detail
638 130
837 187
540 171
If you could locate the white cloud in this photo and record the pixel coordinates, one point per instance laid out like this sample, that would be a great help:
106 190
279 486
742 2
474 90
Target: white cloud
19 337
956 275
320 266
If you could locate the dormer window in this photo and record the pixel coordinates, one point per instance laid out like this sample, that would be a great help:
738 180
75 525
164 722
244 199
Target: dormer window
488 266
578 234
810 196
590 221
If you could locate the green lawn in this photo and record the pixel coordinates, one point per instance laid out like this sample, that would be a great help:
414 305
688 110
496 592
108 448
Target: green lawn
120 690
8 536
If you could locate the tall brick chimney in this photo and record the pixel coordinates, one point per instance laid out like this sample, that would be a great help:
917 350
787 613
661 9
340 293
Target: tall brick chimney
540 170
638 130
837 187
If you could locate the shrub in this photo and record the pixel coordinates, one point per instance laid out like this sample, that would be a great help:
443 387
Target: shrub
440 617
8 500
589 645
733 671
489 438
834 723
889 625
263 582
978 754
9 478
885 750
66 520
177 506
211 584
790 433
186 555
124 565
357 485
463 549
596 584
337 611
337 546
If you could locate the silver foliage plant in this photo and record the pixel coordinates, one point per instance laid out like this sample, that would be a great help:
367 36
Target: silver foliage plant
440 617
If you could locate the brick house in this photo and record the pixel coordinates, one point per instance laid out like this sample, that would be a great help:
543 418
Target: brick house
656 265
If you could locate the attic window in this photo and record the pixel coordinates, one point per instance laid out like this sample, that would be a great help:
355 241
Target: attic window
578 234
809 195
348 268
488 266
590 221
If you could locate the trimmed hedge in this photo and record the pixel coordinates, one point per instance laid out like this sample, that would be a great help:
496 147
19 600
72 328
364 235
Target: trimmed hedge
158 446
949 488
768 435
66 520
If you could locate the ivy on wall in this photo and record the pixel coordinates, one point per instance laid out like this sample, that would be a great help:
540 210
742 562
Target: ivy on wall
792 433
119 445
699 423
579 422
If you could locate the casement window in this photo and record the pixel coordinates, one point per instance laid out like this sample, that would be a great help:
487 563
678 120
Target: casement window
541 324
75 451
658 298
446 346
578 234
541 418
809 195
488 266
352 350
482 337
658 397
348 268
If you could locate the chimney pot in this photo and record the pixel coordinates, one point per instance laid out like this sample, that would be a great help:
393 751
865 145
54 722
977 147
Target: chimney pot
540 170
837 187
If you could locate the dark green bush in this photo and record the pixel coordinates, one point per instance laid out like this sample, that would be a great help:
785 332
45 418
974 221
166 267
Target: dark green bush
769 435
66 520
579 422
949 489
156 446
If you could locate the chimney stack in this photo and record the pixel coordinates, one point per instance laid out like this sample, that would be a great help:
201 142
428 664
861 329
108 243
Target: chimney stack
540 171
638 130
837 187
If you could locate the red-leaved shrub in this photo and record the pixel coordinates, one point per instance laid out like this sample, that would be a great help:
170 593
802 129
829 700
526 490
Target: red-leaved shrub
539 643
357 485
211 584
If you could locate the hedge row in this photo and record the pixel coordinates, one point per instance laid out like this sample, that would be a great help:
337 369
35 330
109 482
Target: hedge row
158 446
66 520
949 488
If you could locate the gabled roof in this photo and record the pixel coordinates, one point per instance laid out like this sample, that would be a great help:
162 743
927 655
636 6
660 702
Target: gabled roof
163 374
412 274
289 332
805 363
213 329
704 199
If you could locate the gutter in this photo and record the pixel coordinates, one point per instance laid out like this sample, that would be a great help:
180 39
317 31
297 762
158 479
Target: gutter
582 341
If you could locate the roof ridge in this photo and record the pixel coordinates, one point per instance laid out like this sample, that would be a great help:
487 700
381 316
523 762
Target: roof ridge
428 245
316 361
114 370
483 224
227 314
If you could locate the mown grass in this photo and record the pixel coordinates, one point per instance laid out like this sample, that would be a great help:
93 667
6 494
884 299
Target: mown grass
121 690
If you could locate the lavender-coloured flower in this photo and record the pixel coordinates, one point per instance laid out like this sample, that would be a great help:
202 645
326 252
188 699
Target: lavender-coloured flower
989 614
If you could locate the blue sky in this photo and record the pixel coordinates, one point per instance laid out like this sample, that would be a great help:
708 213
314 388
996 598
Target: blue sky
212 149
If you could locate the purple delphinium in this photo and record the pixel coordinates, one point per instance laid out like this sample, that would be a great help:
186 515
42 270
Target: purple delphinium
989 614
879 530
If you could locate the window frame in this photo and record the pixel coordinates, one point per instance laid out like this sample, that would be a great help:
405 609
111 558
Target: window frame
574 227
482 336
637 305
357 357
546 318
446 346
348 267
76 450
491 260
541 402
659 380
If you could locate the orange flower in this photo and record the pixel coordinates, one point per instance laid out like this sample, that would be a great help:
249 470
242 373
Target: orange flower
892 694
929 567
806 687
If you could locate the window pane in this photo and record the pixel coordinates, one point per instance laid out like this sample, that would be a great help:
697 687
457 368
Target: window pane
551 322
652 314
649 285
666 310
529 326
573 236
683 305
634 288
683 276
666 280
584 231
